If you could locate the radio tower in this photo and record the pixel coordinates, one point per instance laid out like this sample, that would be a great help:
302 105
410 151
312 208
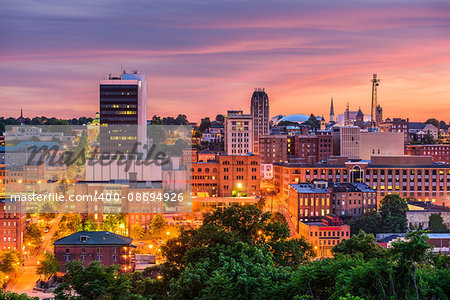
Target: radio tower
375 83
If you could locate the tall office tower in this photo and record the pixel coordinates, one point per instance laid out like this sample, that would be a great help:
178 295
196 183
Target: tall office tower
332 111
238 133
123 113
259 109
375 83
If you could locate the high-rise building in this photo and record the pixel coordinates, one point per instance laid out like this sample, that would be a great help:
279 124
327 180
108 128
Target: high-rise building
123 112
259 109
238 133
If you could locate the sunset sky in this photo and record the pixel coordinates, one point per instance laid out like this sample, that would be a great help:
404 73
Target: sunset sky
204 57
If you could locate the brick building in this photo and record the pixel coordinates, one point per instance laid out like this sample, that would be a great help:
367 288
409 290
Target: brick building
439 153
12 224
103 246
312 201
313 148
228 176
274 148
414 177
324 235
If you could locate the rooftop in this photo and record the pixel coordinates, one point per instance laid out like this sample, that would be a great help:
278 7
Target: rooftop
94 238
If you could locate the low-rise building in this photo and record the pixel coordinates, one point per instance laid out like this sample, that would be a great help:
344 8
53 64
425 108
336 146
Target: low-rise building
439 153
324 235
103 246
311 201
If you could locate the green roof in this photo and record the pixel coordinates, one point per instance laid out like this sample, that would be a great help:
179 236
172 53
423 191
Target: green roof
94 238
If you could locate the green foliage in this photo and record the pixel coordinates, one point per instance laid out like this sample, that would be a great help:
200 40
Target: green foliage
391 217
204 124
114 223
136 232
157 226
371 222
240 271
241 252
33 234
10 261
362 243
434 122
436 223
5 295
48 265
313 122
393 213
94 281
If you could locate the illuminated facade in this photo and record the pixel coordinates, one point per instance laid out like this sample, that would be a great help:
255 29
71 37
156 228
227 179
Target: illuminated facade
229 176
414 177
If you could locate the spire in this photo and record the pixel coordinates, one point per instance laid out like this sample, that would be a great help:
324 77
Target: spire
331 111
21 114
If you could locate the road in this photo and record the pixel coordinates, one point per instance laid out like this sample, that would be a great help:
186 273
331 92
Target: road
25 280
275 203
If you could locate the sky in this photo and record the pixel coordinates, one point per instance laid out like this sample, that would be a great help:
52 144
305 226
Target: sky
202 58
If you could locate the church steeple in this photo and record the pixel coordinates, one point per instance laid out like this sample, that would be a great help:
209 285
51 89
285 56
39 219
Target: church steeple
332 111
21 119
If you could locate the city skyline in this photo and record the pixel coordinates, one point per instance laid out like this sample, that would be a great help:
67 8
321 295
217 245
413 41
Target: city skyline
196 53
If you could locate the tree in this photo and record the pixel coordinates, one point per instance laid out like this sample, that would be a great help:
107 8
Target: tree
362 243
411 253
288 123
238 271
114 223
313 122
156 120
33 234
434 122
94 281
10 261
181 120
371 222
48 265
5 295
393 213
220 118
204 124
244 221
436 223
136 232
157 226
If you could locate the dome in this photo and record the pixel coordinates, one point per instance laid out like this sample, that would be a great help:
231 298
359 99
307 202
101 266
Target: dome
299 118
